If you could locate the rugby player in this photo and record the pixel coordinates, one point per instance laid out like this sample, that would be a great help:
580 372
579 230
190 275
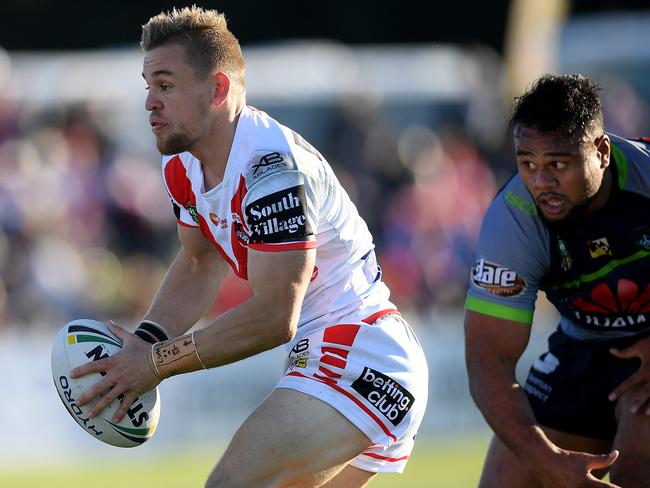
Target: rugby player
253 196
574 222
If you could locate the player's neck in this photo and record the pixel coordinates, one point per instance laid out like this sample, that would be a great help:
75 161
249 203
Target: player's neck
214 151
601 197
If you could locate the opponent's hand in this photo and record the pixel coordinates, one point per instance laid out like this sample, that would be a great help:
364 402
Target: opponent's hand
572 469
638 384
128 373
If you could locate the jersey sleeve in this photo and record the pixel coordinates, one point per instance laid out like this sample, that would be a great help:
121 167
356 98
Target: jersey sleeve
179 189
512 257
280 212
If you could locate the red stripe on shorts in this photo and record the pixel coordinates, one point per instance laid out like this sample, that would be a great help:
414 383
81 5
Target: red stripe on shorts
351 397
377 315
328 372
333 361
384 458
342 334
335 350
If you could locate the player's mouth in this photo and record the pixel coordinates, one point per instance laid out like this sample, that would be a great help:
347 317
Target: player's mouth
552 205
156 125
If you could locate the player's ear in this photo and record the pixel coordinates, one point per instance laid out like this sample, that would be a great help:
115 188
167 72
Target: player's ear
603 149
221 88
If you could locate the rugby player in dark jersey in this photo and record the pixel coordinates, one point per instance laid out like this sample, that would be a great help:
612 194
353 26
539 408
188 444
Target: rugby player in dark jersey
574 222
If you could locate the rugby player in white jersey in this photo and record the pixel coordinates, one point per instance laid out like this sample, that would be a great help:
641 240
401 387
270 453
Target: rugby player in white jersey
252 195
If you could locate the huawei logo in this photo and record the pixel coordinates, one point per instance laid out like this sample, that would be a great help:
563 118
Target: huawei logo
626 299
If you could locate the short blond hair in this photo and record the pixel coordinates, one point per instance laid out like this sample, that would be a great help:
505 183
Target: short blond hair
205 36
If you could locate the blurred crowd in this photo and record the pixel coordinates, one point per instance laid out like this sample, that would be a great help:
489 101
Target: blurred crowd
86 229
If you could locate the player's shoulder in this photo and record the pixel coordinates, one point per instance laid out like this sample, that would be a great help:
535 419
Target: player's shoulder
176 161
513 203
631 159
269 149
512 220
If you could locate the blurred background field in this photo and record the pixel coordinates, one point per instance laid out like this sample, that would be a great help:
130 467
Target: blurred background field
455 463
410 107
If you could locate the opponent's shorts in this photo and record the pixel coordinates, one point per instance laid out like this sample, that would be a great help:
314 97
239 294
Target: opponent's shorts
375 374
568 386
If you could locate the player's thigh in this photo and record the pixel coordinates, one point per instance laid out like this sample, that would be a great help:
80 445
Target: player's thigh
348 477
291 439
632 468
503 468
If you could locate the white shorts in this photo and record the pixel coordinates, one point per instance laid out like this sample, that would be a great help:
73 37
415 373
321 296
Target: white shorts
374 373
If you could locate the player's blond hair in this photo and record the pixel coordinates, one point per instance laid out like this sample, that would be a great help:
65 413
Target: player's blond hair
205 36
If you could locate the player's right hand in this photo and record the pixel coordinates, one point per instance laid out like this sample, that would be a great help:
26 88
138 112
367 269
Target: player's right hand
572 469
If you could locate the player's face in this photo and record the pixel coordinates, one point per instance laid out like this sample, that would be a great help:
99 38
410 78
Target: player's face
563 175
179 103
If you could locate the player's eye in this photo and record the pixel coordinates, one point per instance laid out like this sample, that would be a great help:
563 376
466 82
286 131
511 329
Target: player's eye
529 165
559 164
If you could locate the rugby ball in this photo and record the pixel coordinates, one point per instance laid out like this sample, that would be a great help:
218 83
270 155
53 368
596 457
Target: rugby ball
79 342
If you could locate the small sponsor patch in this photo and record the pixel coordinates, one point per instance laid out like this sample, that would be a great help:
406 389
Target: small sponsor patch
269 162
599 247
279 217
191 209
497 279
565 258
218 221
390 398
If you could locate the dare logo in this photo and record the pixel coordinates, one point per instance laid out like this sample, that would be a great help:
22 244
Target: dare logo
497 279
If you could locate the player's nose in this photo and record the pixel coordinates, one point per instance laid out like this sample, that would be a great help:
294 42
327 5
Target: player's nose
543 178
152 102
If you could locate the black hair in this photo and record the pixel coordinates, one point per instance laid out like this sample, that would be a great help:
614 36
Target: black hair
569 104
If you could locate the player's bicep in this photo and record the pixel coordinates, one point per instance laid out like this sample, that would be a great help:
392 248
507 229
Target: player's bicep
279 280
490 339
199 250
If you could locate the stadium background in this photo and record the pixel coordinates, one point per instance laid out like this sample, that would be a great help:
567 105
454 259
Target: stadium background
409 103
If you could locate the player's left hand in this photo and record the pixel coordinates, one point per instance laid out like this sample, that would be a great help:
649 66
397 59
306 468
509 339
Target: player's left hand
638 384
127 374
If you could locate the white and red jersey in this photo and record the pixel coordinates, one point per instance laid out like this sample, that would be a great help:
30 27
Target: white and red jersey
278 193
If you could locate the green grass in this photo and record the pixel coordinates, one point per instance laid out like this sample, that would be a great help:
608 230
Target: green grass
447 464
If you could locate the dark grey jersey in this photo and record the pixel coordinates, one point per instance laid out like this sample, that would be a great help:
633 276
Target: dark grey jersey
595 269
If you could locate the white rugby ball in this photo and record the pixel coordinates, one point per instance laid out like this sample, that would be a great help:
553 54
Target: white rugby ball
79 342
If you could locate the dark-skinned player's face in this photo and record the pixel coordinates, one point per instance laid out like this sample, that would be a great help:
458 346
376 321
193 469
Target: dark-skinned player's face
177 100
562 174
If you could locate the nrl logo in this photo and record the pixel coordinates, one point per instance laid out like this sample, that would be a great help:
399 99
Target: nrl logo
192 211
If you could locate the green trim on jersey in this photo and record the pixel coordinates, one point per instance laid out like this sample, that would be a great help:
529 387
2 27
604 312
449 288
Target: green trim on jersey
499 311
621 166
608 268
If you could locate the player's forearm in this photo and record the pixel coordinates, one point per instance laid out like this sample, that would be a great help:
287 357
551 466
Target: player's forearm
253 327
186 292
506 409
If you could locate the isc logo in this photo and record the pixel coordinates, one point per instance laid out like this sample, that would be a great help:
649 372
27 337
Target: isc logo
497 279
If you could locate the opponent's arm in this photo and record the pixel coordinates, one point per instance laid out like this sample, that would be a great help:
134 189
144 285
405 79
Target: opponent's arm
637 385
493 347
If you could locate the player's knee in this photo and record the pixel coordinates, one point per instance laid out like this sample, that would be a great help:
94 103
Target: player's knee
223 478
